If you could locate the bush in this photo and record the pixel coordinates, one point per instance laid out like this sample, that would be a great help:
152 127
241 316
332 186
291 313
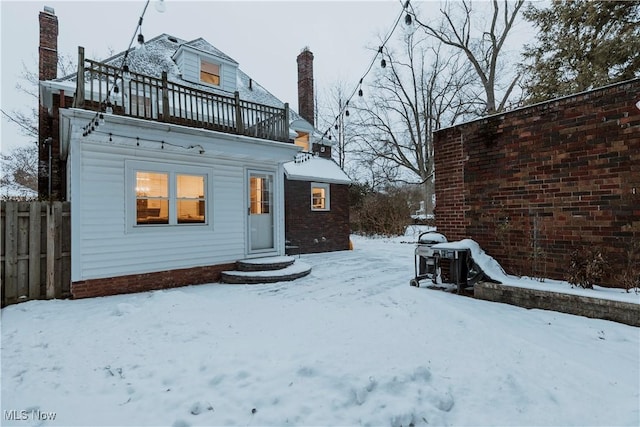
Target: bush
629 277
386 214
586 268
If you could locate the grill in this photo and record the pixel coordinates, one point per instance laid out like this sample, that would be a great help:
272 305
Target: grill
433 251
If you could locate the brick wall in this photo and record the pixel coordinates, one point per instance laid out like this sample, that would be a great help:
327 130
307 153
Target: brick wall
314 231
148 281
533 184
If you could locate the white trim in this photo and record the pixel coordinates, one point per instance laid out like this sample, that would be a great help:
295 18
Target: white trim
275 206
327 196
212 62
172 169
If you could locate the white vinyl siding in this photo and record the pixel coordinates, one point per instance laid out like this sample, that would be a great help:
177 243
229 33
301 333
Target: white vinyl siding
190 66
105 244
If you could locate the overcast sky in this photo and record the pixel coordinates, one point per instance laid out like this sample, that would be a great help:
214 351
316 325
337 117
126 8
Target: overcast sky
263 36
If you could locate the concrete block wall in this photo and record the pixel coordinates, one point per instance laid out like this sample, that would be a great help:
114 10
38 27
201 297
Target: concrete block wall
617 311
536 183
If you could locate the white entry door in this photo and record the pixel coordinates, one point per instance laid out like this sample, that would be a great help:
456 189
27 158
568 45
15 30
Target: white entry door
261 226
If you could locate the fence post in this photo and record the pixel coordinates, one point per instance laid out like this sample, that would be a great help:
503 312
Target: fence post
35 228
54 225
10 232
239 124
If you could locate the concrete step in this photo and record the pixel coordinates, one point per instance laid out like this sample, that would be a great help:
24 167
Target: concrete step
291 272
265 263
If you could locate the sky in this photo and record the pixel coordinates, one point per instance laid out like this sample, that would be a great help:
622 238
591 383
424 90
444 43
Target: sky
265 37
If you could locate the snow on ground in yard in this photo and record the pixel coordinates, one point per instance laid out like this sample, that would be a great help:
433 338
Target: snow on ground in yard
350 344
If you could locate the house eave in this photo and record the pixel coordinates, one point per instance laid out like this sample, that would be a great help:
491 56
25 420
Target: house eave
208 137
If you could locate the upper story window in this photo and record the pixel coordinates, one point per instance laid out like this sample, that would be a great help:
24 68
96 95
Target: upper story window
303 141
209 73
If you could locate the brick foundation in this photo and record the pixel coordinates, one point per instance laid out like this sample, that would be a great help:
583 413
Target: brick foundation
148 281
533 184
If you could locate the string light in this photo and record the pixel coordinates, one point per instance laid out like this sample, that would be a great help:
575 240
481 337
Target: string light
162 143
383 63
124 68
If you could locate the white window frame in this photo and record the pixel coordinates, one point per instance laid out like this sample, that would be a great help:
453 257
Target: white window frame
327 196
172 169
212 62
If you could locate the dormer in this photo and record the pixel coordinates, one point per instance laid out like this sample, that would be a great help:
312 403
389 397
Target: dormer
201 63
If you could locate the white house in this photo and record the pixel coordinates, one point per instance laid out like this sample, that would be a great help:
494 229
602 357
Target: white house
173 161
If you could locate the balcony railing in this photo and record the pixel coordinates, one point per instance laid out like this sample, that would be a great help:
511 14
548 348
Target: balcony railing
138 95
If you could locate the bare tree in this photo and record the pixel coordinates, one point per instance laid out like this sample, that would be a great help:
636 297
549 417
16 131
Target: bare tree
421 89
484 52
27 118
20 172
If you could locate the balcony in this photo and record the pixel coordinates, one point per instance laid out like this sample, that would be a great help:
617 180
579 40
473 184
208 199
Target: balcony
103 87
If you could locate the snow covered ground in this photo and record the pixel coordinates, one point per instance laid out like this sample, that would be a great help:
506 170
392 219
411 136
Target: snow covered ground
350 344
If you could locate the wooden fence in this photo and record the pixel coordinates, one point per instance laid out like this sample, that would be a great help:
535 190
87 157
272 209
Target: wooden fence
35 251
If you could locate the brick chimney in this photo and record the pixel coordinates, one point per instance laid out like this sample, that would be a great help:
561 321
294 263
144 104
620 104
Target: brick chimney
305 85
48 160
48 67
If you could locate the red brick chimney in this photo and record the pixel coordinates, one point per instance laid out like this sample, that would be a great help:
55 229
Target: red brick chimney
48 67
49 168
305 85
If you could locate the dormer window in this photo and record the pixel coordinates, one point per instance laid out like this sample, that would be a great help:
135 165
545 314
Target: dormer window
209 73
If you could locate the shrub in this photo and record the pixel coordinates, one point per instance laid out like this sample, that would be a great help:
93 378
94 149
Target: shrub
629 277
586 268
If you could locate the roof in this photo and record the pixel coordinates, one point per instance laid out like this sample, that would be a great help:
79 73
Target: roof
157 56
307 167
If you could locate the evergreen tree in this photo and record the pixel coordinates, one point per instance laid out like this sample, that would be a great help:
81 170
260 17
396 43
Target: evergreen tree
581 45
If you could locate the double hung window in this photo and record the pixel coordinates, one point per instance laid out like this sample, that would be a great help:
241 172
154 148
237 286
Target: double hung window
320 200
168 196
209 73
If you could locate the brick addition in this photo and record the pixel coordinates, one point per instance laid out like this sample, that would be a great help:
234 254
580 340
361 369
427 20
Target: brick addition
316 231
533 184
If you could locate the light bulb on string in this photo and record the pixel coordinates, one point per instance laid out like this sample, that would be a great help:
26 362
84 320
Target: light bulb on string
140 41
126 73
346 113
408 20
160 6
360 92
383 63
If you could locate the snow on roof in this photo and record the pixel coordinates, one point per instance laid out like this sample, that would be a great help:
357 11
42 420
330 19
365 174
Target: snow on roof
157 56
204 46
307 167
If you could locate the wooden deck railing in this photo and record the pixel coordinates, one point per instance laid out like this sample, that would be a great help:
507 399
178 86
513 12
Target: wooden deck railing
142 96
